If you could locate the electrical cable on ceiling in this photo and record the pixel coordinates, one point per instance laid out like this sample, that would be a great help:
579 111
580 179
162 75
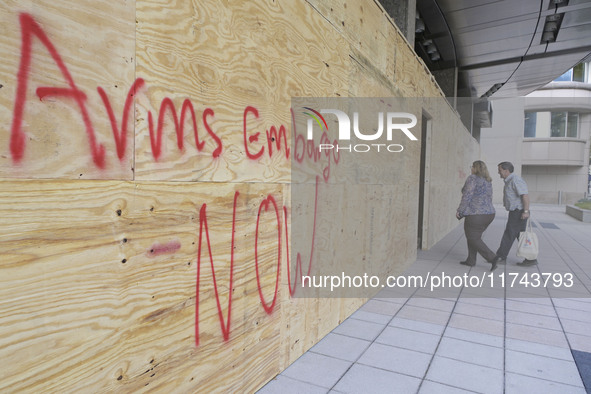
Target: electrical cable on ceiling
530 43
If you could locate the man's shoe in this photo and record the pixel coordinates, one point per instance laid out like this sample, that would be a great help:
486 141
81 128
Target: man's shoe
528 263
468 264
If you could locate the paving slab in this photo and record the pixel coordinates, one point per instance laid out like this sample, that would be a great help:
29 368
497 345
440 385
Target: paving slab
464 340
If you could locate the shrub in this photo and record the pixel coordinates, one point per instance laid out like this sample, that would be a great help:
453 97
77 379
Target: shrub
583 203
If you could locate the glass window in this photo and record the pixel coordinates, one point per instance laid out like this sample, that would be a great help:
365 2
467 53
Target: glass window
546 124
558 124
530 125
577 74
572 128
567 76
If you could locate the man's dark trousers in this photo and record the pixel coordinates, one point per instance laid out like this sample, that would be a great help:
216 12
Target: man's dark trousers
515 225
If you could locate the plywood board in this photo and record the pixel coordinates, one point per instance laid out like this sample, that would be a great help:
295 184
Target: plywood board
56 56
107 284
239 66
104 273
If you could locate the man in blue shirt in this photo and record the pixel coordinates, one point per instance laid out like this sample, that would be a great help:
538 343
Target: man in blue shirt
516 201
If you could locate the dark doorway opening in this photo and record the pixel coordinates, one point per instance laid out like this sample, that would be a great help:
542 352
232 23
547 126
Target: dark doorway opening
423 179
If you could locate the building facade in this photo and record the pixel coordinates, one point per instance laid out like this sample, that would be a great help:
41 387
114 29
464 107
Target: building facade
546 136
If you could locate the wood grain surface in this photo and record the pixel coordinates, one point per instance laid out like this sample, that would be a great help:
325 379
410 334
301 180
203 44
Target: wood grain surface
143 252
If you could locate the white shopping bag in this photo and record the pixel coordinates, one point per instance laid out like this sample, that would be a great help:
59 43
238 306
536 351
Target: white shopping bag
528 243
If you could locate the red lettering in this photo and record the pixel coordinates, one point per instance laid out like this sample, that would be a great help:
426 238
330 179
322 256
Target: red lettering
121 137
273 136
252 138
30 28
298 268
218 141
43 92
299 139
225 327
308 148
156 141
188 108
265 204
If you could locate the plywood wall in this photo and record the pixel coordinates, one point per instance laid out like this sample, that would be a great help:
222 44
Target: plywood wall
145 196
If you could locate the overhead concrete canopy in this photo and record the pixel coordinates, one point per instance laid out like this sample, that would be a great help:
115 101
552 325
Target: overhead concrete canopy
502 48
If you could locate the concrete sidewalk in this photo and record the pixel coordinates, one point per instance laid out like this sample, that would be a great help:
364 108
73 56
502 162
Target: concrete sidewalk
461 341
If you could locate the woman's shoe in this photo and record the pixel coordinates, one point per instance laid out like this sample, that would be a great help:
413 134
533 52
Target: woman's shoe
468 264
497 260
494 263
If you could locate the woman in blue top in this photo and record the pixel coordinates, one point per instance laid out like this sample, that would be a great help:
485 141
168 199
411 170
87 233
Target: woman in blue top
477 209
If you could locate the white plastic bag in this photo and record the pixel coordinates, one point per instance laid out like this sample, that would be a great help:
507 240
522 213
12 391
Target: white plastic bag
528 243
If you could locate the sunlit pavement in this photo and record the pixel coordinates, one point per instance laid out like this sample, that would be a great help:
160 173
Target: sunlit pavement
516 341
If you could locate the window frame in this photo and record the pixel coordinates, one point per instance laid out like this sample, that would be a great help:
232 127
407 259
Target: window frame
533 124
568 75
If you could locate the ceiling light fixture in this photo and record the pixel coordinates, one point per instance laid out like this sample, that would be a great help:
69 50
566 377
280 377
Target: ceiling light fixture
493 89
548 36
551 28
557 3
419 26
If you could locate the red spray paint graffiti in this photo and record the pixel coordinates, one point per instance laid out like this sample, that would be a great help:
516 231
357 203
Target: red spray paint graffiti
276 139
168 248
30 28
225 327
298 267
156 138
268 308
272 136
121 137
307 149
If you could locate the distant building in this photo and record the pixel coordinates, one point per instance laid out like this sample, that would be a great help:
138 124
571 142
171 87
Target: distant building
546 135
